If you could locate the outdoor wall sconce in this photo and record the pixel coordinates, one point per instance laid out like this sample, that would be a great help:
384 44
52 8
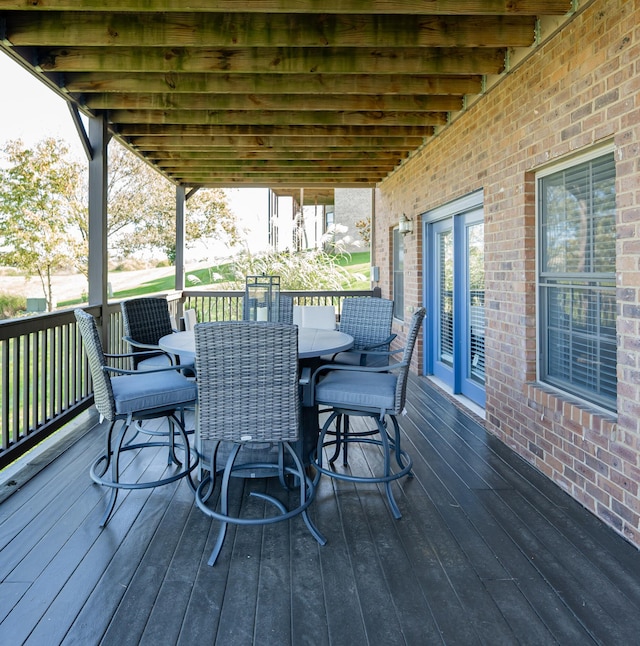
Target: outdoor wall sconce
405 225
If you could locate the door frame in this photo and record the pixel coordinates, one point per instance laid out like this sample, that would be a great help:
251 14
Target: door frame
461 208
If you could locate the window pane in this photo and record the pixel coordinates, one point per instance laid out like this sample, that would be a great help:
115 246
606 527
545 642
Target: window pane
445 297
475 302
577 281
578 219
398 275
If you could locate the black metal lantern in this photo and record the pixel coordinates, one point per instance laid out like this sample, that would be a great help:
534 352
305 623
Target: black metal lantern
262 298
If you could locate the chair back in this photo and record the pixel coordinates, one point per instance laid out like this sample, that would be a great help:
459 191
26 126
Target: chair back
285 313
146 320
190 319
102 390
367 319
322 317
247 381
403 374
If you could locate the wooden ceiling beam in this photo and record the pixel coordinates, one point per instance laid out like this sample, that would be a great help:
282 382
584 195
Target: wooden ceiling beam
282 118
373 175
344 84
302 179
200 131
436 7
290 144
269 60
288 170
275 183
288 102
266 30
169 156
320 164
347 158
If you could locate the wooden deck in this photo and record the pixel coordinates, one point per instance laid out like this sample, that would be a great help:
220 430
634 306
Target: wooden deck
488 551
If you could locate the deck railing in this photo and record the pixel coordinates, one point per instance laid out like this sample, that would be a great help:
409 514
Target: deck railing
44 376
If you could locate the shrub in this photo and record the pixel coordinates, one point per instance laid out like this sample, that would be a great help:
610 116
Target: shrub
307 270
12 305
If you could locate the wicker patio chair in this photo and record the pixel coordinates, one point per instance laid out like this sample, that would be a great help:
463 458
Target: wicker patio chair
316 316
146 321
368 320
131 396
375 392
190 319
285 310
249 414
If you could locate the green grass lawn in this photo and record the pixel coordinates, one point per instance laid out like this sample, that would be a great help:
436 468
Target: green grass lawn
356 263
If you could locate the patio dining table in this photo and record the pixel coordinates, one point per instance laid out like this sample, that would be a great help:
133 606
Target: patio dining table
313 344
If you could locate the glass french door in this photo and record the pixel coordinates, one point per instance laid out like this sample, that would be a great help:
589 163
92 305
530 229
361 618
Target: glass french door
454 290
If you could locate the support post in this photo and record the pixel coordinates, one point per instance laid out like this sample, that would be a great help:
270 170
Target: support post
98 256
180 237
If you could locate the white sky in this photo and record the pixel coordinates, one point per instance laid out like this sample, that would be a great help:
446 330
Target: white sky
30 111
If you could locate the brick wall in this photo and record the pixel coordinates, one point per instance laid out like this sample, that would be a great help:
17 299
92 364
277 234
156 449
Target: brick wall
576 91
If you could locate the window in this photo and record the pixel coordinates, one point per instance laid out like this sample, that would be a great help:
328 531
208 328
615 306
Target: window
398 275
329 219
577 324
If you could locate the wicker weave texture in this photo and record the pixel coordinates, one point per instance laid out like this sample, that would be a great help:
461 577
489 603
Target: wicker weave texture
285 310
146 320
401 384
247 381
102 391
367 320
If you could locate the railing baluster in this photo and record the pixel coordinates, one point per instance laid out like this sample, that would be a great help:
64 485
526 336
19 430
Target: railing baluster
26 378
4 374
15 391
35 363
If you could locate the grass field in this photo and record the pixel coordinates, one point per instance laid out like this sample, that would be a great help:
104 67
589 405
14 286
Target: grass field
356 263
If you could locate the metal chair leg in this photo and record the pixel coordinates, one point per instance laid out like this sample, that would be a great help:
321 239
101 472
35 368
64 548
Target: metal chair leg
390 448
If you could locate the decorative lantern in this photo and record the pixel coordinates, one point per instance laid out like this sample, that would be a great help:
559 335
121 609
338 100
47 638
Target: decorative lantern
262 298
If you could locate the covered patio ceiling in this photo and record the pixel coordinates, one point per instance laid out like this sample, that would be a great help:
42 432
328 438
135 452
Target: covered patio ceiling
275 93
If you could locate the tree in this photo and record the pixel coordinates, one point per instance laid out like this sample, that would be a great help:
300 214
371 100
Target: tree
39 209
141 209
364 229
44 220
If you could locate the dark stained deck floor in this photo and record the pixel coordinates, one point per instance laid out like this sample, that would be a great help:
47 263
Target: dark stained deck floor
487 552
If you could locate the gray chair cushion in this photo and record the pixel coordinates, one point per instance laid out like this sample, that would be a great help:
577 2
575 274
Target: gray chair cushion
143 392
345 389
153 363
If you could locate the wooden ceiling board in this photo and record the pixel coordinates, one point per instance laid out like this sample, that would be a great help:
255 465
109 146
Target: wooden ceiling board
277 93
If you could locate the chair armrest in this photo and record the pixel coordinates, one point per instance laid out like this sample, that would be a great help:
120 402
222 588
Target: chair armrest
386 342
127 355
305 386
305 376
370 353
144 346
123 371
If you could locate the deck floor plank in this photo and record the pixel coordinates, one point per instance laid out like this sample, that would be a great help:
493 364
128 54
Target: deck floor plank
488 551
